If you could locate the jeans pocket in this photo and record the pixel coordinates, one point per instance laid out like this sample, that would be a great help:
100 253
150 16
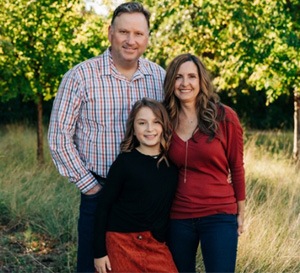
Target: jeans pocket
90 196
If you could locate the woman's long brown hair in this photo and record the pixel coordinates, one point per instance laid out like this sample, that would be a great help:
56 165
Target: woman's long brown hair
208 106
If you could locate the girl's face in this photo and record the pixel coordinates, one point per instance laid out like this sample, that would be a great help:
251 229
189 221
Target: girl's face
148 131
187 85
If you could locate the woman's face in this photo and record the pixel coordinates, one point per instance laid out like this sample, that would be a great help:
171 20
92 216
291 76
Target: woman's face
187 84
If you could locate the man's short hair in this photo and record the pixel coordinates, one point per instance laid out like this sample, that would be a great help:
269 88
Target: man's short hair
131 7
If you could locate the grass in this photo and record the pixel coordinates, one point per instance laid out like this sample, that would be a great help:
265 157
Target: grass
272 240
39 208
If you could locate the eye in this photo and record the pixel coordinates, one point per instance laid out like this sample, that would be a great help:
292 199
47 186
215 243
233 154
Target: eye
139 34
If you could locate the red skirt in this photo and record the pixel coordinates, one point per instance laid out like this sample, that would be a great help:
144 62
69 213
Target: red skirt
138 252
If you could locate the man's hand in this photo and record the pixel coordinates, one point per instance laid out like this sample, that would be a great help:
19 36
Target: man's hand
94 190
102 264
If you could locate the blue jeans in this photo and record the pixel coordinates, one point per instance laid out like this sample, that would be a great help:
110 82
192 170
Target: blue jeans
85 253
218 239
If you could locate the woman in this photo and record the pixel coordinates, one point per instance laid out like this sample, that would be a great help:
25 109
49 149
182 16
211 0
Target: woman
207 147
134 207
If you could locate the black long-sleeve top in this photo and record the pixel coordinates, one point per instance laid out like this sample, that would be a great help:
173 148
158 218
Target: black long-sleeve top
137 197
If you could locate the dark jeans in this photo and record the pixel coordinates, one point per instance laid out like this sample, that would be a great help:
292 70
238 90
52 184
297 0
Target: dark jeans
85 254
218 239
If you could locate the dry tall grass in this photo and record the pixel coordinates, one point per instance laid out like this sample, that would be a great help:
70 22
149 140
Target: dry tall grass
271 242
42 199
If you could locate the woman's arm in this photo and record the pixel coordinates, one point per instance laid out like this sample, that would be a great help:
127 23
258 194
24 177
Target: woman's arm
240 216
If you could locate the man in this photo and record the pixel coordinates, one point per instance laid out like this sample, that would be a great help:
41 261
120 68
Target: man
90 110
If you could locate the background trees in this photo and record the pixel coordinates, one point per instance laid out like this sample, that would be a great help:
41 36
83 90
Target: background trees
251 48
40 41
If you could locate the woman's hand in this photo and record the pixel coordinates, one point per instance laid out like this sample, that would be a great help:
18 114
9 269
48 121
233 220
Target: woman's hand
102 264
240 217
240 220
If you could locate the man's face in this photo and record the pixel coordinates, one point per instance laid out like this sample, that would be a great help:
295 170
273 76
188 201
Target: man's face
128 36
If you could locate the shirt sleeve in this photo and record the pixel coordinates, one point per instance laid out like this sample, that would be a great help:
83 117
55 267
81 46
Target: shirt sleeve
61 132
235 153
108 196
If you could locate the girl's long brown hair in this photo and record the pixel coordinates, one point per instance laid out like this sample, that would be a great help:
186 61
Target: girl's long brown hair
208 106
130 141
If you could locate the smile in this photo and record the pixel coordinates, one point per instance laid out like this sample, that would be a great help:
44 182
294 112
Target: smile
150 136
129 48
185 90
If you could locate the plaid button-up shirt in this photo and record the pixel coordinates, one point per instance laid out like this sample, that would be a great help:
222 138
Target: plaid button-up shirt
89 114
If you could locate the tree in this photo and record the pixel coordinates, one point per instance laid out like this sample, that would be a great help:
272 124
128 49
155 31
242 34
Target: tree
39 42
246 44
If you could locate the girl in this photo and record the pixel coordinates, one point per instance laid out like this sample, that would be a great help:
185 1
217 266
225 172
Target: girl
133 211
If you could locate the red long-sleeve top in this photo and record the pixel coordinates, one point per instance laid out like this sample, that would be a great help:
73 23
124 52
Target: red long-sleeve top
204 166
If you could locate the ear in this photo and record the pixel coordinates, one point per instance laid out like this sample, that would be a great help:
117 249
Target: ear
110 32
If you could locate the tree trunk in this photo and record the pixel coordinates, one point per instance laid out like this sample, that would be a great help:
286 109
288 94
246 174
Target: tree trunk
40 146
296 125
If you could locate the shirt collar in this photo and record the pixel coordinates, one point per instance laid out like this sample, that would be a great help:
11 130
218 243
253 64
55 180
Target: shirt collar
110 68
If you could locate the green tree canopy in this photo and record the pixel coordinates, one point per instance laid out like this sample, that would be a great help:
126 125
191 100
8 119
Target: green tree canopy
39 42
246 44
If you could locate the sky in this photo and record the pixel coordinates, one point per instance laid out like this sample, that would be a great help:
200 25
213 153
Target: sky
99 7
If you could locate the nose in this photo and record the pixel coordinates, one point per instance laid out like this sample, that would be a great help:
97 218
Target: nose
130 38
149 126
184 81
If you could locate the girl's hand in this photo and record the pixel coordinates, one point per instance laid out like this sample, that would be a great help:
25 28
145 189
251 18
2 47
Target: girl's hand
102 264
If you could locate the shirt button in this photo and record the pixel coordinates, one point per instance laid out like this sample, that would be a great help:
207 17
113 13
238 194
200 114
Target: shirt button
140 237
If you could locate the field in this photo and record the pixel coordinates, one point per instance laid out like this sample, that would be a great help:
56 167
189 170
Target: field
39 208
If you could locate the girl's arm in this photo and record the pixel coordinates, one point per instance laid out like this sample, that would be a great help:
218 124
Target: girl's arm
108 196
